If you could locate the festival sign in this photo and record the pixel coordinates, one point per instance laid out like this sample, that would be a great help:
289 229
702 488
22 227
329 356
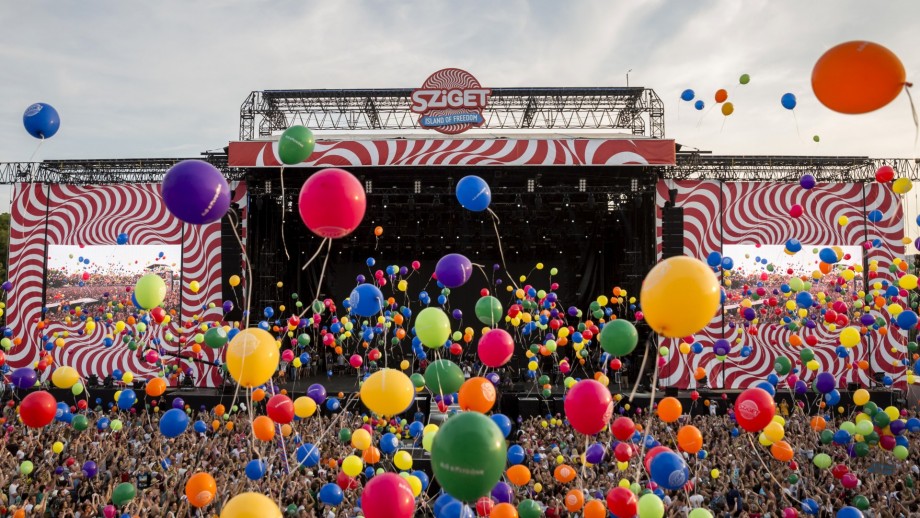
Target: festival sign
450 101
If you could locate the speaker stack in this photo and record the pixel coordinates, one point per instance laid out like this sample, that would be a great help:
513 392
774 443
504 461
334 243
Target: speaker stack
672 231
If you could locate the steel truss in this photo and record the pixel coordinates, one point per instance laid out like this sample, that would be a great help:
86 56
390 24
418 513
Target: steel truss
636 109
697 166
97 172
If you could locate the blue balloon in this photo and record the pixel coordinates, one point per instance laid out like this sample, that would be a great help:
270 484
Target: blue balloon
913 425
788 101
804 300
687 95
331 494
727 263
268 312
809 506
842 436
200 427
766 385
122 239
332 404
389 443
828 255
669 470
173 422
714 259
416 429
255 469
875 216
516 455
423 478
849 512
473 193
366 300
307 455
369 473
103 423
41 120
503 422
126 399
699 105
907 319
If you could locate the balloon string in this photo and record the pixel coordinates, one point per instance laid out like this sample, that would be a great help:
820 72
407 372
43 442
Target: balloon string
283 214
796 121
768 471
913 109
650 413
322 273
318 250
233 221
42 141
498 237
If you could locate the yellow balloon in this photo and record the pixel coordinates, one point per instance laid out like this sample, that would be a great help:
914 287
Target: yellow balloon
813 365
57 447
908 282
250 505
849 337
624 483
428 440
861 397
893 413
403 460
234 280
902 185
65 377
387 392
361 439
415 484
252 357
843 220
404 364
352 465
680 279
304 407
538 487
194 286
127 377
774 432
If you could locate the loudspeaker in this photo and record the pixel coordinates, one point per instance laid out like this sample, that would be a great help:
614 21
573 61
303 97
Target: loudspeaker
231 259
529 407
852 387
670 392
672 231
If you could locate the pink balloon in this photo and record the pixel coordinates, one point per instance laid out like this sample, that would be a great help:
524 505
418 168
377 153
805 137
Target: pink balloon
796 211
588 406
387 496
332 203
496 348
109 511
287 355
849 481
355 361
790 513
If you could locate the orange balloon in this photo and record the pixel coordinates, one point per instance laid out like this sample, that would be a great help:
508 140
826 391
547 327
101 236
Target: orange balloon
215 424
863 364
503 510
824 267
700 373
477 394
721 95
574 500
690 439
258 395
263 428
20 513
669 409
795 340
220 410
857 77
781 451
230 426
156 387
564 473
818 424
595 509
518 475
200 489
371 455
286 430
378 231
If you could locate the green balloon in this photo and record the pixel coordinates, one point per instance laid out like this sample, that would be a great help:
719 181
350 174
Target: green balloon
816 138
543 380
822 460
699 513
295 145
793 478
546 392
619 337
26 467
864 427
303 339
881 419
860 502
432 327
782 366
344 435
468 455
124 493
806 355
418 381
489 310
872 438
76 389
744 79
79 422
861 449
529 509
650 506
900 452
796 284
215 337
848 427
150 291
827 437
444 377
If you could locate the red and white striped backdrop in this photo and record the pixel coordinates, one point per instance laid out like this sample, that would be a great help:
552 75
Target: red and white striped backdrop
737 213
95 215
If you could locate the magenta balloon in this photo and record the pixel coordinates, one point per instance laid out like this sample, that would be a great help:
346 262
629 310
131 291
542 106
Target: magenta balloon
332 203
588 406
287 355
388 496
453 270
496 348
196 192
849 480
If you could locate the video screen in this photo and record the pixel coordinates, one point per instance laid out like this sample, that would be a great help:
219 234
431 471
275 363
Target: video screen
100 279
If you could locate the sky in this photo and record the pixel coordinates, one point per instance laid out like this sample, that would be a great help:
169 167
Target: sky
745 256
166 78
103 258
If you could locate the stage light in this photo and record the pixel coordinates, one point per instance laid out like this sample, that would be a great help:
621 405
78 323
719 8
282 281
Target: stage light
368 186
530 184
386 201
634 185
582 184
268 186
417 187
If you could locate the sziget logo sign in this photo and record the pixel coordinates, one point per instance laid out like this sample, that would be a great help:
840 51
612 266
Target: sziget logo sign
450 101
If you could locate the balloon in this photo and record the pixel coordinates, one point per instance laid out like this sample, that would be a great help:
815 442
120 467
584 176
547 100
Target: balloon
194 286
387 496
489 310
744 79
361 439
200 489
502 510
41 120
317 393
432 327
680 278
468 455
619 337
529 509
195 192
690 439
503 422
477 394
518 475
366 300
444 377
403 460
65 377
26 467
850 337
496 348
453 270
588 406
251 505
126 399
622 502
307 455
669 470
650 506
332 203
754 409
37 409
902 186
123 493
234 281
387 392
595 509
721 95
173 422
857 77
155 387
150 291
728 109
255 469
825 382
24 378
295 145
280 409
263 428
699 104
252 357
215 338
352 465
687 95
788 101
669 409
474 195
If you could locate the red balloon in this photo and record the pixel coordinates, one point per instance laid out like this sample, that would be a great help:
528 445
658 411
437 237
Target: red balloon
484 505
622 502
588 406
884 174
280 409
345 482
623 452
754 409
796 211
158 314
623 428
496 348
332 203
839 471
387 496
37 409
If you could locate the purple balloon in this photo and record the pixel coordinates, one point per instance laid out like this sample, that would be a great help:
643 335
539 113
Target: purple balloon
24 377
178 403
502 493
493 378
825 382
196 192
457 314
897 426
595 453
228 306
360 279
721 347
90 469
7 286
403 270
317 393
453 270
866 319
808 182
801 387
